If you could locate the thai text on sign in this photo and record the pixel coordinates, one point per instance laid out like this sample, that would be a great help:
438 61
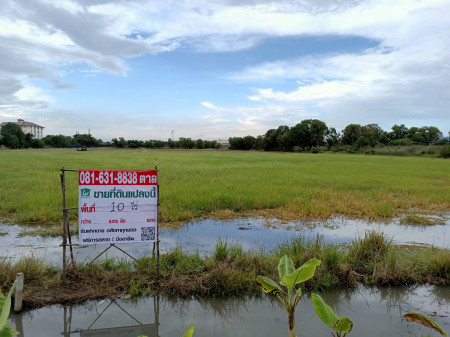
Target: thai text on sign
117 206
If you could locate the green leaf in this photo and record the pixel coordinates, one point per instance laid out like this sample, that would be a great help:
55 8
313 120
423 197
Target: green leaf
324 311
2 300
285 267
299 292
424 320
7 331
189 332
343 324
302 274
7 307
268 285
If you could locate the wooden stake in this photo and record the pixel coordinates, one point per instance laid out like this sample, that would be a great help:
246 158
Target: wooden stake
64 207
19 292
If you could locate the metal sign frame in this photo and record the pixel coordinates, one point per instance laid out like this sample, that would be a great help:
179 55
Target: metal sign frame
67 238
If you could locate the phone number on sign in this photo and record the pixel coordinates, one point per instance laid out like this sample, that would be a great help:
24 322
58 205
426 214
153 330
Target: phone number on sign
94 177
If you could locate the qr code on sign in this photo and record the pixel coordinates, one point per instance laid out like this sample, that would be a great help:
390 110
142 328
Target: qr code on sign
148 233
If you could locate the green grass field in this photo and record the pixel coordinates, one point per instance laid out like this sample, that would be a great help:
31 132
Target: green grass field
220 183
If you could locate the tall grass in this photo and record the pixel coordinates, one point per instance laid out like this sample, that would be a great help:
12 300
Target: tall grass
231 271
203 183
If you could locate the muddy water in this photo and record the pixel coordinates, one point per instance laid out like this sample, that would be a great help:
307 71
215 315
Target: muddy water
251 233
374 311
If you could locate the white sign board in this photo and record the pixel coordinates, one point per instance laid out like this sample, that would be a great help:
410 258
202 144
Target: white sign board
117 206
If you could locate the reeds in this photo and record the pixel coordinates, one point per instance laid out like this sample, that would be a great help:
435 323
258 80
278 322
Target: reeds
229 271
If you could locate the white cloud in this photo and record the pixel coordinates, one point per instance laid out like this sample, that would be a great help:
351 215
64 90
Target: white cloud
242 121
409 71
405 79
210 106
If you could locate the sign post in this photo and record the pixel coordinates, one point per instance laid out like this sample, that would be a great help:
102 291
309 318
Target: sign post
117 206
114 206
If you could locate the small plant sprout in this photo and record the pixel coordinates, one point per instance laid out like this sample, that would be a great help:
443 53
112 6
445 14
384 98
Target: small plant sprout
425 321
289 278
189 332
341 325
5 307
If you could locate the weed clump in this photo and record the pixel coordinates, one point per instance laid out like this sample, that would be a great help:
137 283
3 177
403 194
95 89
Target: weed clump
230 271
364 254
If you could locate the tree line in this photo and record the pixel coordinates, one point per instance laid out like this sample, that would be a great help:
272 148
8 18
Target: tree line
304 136
182 143
13 137
313 133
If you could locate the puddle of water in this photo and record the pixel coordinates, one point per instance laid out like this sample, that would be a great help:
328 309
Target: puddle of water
374 312
251 233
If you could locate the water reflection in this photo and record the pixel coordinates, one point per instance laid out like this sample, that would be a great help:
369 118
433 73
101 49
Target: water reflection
374 311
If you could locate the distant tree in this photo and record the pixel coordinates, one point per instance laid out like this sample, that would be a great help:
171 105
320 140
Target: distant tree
248 142
134 143
59 141
159 144
172 144
308 133
270 142
398 132
423 135
351 134
37 143
207 144
284 142
430 133
27 140
84 139
214 144
12 136
120 143
236 143
332 138
199 144
373 134
415 135
186 143
259 143
318 129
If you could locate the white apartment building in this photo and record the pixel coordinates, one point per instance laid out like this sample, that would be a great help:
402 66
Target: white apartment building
27 127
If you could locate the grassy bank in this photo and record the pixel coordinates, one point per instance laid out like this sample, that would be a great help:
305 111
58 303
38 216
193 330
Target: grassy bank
227 183
230 271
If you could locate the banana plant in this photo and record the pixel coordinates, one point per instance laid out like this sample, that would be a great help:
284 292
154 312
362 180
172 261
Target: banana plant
5 307
425 321
341 325
286 291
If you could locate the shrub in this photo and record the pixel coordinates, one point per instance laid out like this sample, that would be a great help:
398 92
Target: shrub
445 152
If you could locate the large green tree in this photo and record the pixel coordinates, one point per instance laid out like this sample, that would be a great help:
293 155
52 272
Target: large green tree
12 136
351 134
398 132
308 133
373 134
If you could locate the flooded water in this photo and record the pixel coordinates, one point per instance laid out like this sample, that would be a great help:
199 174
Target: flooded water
374 312
251 233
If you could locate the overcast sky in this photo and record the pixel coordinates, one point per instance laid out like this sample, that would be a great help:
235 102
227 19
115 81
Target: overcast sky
213 69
